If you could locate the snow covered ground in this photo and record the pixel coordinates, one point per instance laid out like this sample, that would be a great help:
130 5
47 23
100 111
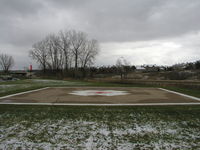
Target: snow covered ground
137 131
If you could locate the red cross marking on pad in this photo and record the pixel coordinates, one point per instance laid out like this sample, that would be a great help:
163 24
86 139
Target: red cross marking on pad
102 92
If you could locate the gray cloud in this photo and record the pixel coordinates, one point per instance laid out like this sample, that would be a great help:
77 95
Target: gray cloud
19 7
126 20
24 22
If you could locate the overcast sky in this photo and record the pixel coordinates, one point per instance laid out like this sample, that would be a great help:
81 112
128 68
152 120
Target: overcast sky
162 32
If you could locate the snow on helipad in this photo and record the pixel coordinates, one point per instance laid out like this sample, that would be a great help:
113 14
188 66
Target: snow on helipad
99 92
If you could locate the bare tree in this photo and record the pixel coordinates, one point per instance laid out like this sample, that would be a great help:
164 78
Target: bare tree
120 68
78 40
123 67
65 44
6 62
61 51
89 52
48 53
54 52
40 54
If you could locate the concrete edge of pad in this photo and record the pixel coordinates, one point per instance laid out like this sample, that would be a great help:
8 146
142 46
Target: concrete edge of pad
30 91
75 104
181 94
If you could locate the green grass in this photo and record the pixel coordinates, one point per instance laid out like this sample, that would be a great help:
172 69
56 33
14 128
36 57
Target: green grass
187 91
78 127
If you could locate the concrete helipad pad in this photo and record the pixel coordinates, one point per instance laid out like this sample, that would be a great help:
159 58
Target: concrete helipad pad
99 95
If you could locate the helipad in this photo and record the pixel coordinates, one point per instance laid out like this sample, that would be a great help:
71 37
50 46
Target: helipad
100 95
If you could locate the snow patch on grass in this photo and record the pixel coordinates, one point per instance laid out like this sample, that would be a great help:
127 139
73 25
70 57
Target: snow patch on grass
80 134
54 82
11 87
7 86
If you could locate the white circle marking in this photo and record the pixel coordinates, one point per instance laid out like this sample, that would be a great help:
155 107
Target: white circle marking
98 92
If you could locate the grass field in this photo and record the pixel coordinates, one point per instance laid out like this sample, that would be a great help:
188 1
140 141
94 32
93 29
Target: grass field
76 127
96 127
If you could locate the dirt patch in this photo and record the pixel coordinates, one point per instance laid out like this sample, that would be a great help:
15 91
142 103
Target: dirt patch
135 95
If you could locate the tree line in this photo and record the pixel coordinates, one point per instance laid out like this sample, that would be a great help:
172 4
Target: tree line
184 66
69 52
